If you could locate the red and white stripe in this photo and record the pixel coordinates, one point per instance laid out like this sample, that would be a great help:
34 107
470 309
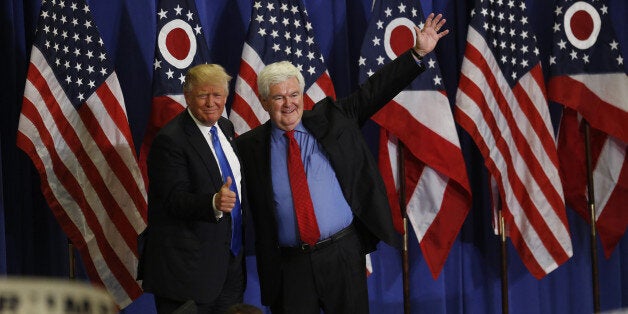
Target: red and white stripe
610 175
164 108
438 196
89 174
246 110
602 99
610 178
513 131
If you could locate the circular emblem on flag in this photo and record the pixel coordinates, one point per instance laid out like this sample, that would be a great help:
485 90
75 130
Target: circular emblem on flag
177 43
582 25
399 37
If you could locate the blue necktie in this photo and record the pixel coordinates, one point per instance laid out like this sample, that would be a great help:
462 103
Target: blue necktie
236 215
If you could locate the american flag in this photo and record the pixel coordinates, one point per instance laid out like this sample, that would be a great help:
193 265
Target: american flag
74 127
279 30
501 103
438 195
588 76
180 45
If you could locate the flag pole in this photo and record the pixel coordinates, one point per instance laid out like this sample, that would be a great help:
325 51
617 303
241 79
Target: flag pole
402 205
504 262
71 260
591 205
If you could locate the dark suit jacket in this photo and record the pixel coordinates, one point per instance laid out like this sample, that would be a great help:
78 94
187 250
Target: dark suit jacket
337 127
186 253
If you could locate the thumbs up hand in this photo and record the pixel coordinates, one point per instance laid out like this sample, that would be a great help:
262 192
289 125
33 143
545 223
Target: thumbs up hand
225 198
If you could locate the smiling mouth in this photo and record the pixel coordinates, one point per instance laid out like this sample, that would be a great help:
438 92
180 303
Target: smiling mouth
289 110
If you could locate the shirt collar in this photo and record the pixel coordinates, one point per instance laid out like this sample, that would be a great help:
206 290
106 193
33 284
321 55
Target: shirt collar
278 133
204 129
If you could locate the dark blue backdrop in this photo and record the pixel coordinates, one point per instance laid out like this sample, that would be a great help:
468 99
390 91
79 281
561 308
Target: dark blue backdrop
31 242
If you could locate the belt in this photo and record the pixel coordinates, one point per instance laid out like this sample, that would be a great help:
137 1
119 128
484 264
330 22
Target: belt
306 248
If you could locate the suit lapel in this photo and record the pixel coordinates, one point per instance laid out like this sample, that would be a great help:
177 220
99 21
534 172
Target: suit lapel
315 123
259 152
200 145
262 150
318 125
227 130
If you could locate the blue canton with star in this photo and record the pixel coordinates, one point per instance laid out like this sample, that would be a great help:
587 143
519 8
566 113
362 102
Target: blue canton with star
168 78
284 32
72 46
374 55
505 26
600 53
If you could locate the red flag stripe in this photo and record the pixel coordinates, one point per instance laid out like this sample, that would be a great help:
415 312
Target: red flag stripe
436 184
428 114
532 157
610 168
92 252
443 229
426 202
167 106
605 107
93 186
248 76
610 177
246 111
164 108
592 87
435 147
322 88
82 153
528 144
387 166
114 111
538 264
121 159
247 84
70 229
608 163
523 201
77 204
534 100
245 114
528 165
420 117
54 144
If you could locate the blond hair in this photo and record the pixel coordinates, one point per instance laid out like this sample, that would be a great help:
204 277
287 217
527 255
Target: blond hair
206 74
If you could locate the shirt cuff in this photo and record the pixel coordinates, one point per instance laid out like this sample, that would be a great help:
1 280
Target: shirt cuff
218 214
417 58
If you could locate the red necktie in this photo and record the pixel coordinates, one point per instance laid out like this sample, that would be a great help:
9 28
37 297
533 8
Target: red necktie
306 219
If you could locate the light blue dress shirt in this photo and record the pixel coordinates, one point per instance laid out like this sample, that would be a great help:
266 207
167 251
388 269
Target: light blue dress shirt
332 210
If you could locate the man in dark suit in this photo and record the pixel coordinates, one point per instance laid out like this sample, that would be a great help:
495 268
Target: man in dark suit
194 240
299 275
